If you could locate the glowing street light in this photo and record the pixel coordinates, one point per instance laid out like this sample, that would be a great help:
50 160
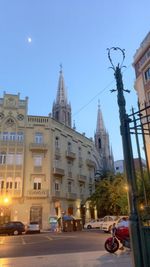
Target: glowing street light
6 200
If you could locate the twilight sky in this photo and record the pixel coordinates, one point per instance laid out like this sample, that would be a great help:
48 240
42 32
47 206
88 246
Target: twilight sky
36 36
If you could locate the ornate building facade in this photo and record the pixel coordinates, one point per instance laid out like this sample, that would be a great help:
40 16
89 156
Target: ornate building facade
141 65
46 166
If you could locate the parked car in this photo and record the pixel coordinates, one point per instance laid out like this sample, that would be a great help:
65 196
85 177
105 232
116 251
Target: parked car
93 224
12 228
108 221
33 227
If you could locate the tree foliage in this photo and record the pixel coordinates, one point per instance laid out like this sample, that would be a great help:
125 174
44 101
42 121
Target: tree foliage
143 187
110 196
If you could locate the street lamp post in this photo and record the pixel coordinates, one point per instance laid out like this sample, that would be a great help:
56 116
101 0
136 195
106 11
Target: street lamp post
135 227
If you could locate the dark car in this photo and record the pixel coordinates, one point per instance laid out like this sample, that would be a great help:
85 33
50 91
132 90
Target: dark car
12 228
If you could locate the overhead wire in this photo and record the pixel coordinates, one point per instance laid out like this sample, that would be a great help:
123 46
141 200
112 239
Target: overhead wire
94 97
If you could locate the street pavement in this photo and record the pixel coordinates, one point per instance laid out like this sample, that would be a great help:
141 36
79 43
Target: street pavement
82 259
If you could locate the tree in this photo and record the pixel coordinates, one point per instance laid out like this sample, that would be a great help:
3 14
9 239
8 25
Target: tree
110 196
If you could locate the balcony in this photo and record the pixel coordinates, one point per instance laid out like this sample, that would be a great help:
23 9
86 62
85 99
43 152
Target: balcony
38 120
90 163
81 178
57 195
42 193
11 192
70 154
17 193
58 171
12 143
35 147
71 196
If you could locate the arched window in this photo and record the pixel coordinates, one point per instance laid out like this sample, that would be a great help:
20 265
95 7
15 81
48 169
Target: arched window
57 142
17 184
38 138
99 143
10 158
37 161
12 136
3 158
9 183
37 183
69 147
57 185
5 136
20 136
1 183
19 159
70 186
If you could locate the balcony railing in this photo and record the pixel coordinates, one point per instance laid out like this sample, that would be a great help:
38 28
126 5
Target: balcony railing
11 143
70 154
38 147
82 178
57 194
71 196
58 171
37 169
37 193
11 192
90 162
38 120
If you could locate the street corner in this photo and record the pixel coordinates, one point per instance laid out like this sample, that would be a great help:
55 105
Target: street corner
120 258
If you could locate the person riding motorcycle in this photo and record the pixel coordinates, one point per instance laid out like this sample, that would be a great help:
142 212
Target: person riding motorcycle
120 235
123 226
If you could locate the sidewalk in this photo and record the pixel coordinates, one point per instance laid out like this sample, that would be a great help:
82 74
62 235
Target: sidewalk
82 259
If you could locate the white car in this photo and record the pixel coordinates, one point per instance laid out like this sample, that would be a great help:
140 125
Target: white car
94 224
33 227
108 221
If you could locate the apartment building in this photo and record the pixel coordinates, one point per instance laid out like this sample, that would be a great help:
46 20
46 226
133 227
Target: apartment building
141 65
46 167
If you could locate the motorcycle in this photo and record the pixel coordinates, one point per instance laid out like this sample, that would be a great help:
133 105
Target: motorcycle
119 235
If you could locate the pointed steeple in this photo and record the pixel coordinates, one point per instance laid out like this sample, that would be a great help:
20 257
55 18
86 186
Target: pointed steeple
61 110
61 91
102 141
100 123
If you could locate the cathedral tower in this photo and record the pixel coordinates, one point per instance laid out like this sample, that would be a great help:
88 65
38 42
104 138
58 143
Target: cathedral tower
61 110
102 143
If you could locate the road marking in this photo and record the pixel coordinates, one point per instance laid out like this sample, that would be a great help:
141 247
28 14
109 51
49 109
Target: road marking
49 238
23 241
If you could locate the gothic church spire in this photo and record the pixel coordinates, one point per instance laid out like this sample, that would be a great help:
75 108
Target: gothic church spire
61 110
102 142
61 97
100 123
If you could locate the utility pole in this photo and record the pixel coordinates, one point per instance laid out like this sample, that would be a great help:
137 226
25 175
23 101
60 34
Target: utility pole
135 225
